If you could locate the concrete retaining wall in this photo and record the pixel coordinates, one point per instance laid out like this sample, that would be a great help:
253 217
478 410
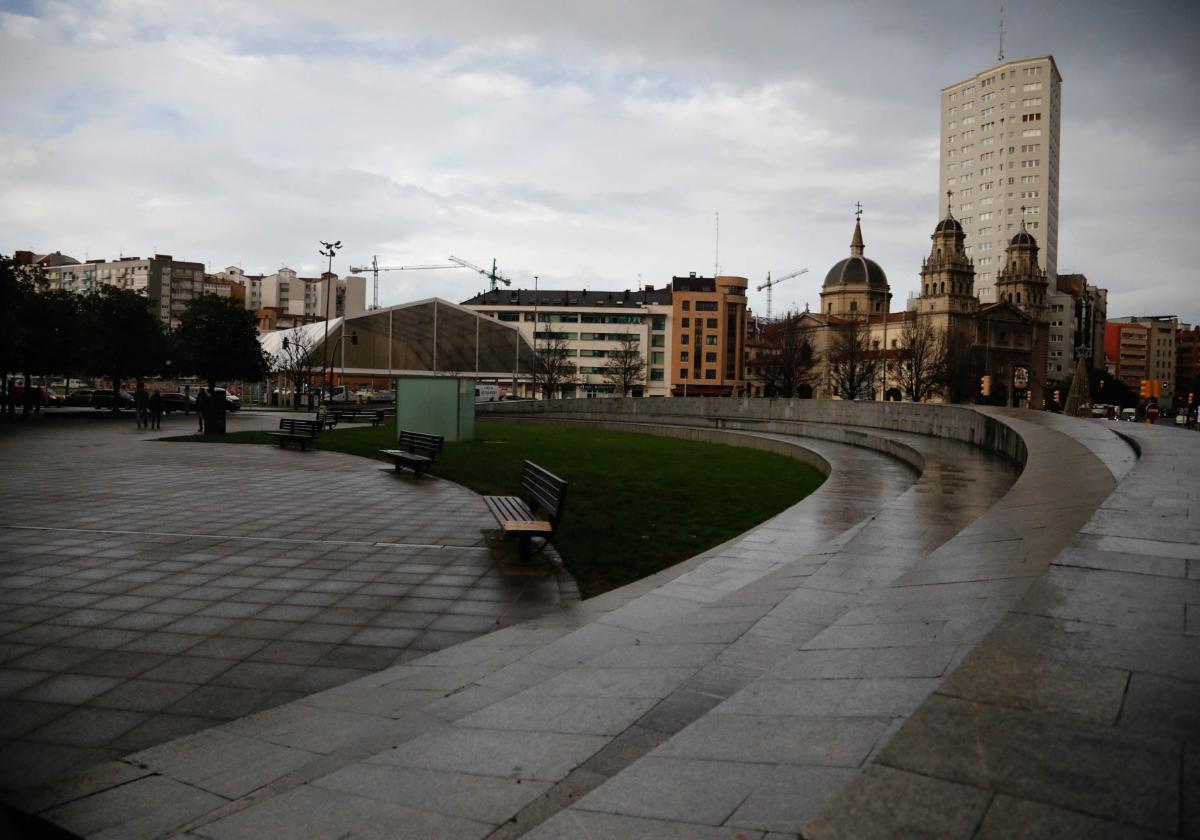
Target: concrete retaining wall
834 420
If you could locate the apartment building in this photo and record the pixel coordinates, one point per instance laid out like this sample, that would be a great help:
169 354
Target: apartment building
1187 363
692 332
167 283
1143 348
1000 162
1126 350
708 354
591 325
284 299
1078 314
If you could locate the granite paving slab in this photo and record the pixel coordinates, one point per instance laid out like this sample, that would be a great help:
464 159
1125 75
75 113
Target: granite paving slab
149 589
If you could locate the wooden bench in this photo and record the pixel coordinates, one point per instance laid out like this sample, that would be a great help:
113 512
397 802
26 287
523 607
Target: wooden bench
357 415
302 432
417 451
536 512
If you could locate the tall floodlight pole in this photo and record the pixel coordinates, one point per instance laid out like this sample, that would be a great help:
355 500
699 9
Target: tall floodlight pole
328 249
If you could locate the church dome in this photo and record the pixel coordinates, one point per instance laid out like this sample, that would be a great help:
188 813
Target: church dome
1023 237
856 271
948 223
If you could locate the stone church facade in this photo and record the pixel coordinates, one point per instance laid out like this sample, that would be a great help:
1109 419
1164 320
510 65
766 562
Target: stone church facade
1006 340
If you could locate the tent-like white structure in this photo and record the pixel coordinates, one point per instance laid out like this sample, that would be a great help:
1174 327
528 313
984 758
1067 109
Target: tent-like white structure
427 337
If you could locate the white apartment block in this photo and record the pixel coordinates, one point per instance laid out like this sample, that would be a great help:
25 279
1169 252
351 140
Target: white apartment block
168 283
592 324
302 297
999 153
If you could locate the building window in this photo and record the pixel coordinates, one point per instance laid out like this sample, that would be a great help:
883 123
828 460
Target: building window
710 340
683 373
509 316
686 322
706 306
684 338
658 341
712 323
657 375
657 358
710 357
710 374
686 306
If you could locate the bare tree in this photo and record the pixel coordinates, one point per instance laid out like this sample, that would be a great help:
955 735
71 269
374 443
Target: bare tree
853 363
296 361
959 369
788 359
921 351
626 366
553 369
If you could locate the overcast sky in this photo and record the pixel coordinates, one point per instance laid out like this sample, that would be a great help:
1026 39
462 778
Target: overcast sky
588 143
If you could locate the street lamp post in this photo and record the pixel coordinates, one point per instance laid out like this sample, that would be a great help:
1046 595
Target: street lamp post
328 249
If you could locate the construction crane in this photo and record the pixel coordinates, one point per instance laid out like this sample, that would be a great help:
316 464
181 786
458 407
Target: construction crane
772 283
492 275
375 268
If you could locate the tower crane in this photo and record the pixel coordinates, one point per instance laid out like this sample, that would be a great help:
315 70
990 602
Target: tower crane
772 283
492 275
375 268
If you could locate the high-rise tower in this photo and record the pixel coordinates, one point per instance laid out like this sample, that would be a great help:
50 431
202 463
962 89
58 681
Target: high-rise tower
1000 151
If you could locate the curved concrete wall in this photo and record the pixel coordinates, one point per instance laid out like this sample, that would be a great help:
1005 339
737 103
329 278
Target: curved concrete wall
809 418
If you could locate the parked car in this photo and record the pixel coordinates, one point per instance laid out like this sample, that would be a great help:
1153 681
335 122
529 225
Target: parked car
232 402
103 398
178 402
80 398
1129 414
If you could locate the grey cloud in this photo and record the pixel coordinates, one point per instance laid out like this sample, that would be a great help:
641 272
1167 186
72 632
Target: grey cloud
589 144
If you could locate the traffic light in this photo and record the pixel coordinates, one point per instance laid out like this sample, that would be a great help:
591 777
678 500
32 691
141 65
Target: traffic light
985 385
1144 389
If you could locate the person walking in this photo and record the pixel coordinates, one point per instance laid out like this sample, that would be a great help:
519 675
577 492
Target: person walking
201 406
140 404
156 409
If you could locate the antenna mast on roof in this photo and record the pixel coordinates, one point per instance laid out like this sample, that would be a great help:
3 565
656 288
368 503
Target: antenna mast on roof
717 244
1002 32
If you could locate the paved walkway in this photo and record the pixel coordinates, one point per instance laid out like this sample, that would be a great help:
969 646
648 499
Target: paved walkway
152 589
952 655
1080 715
499 735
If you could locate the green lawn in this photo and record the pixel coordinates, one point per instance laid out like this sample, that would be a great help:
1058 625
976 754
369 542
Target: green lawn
636 503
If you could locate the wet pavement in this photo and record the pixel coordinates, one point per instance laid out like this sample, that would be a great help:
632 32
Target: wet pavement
970 650
150 589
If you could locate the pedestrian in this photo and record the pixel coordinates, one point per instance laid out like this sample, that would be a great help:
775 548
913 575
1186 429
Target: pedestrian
140 404
201 406
156 410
